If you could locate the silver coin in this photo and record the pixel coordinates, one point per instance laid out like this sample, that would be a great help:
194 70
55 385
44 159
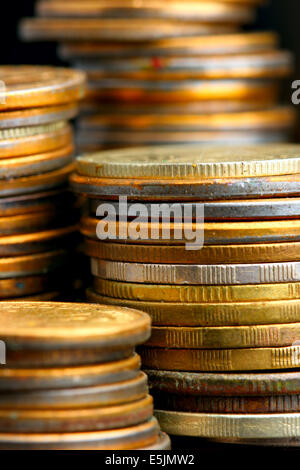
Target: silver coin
233 274
14 119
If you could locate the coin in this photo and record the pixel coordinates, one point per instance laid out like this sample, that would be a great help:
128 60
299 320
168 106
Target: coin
227 385
44 297
69 377
36 183
35 164
76 420
36 139
209 314
163 443
37 202
196 274
209 254
221 359
225 337
30 265
195 294
256 209
96 396
129 438
27 223
35 86
27 285
38 116
283 425
193 162
203 189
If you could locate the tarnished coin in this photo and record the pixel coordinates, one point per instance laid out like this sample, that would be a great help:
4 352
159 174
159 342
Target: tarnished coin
209 254
131 438
196 274
49 326
31 265
28 223
36 242
210 314
192 162
27 285
225 360
195 294
69 377
186 189
76 420
238 43
37 202
256 384
239 405
96 396
35 86
36 139
225 337
252 426
120 29
38 116
36 164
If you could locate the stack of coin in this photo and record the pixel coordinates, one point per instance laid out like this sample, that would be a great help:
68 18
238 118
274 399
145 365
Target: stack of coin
221 308
169 72
72 379
37 212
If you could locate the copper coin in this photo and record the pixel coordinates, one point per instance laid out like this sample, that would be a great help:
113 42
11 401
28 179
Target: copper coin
44 297
77 420
29 86
38 116
28 223
28 285
163 443
31 265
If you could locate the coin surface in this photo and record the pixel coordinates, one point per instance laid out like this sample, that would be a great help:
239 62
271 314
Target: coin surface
209 314
76 420
163 443
37 202
35 86
196 274
27 223
69 325
38 116
129 438
30 265
69 377
44 297
26 285
253 426
221 359
195 294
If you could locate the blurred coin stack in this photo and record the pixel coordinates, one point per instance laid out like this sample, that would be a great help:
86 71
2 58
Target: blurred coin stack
224 312
72 379
37 212
169 72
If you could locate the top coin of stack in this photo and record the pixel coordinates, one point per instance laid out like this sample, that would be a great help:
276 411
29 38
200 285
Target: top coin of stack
37 214
169 73
72 379
229 305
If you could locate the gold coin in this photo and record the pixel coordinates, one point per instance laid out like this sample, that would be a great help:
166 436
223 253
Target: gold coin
209 254
38 116
76 420
27 285
195 294
29 86
237 426
69 377
20 266
226 337
225 360
209 314
179 233
194 162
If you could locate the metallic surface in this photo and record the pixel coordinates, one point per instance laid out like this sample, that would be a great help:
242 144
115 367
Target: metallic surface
38 116
30 265
37 202
27 285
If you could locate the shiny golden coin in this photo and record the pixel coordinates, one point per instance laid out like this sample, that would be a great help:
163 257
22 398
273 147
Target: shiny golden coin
192 162
195 294
172 233
209 314
36 164
72 325
209 254
225 337
76 420
69 377
97 396
225 360
36 183
35 86
30 265
33 140
216 426
27 285
38 116
28 223
131 438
